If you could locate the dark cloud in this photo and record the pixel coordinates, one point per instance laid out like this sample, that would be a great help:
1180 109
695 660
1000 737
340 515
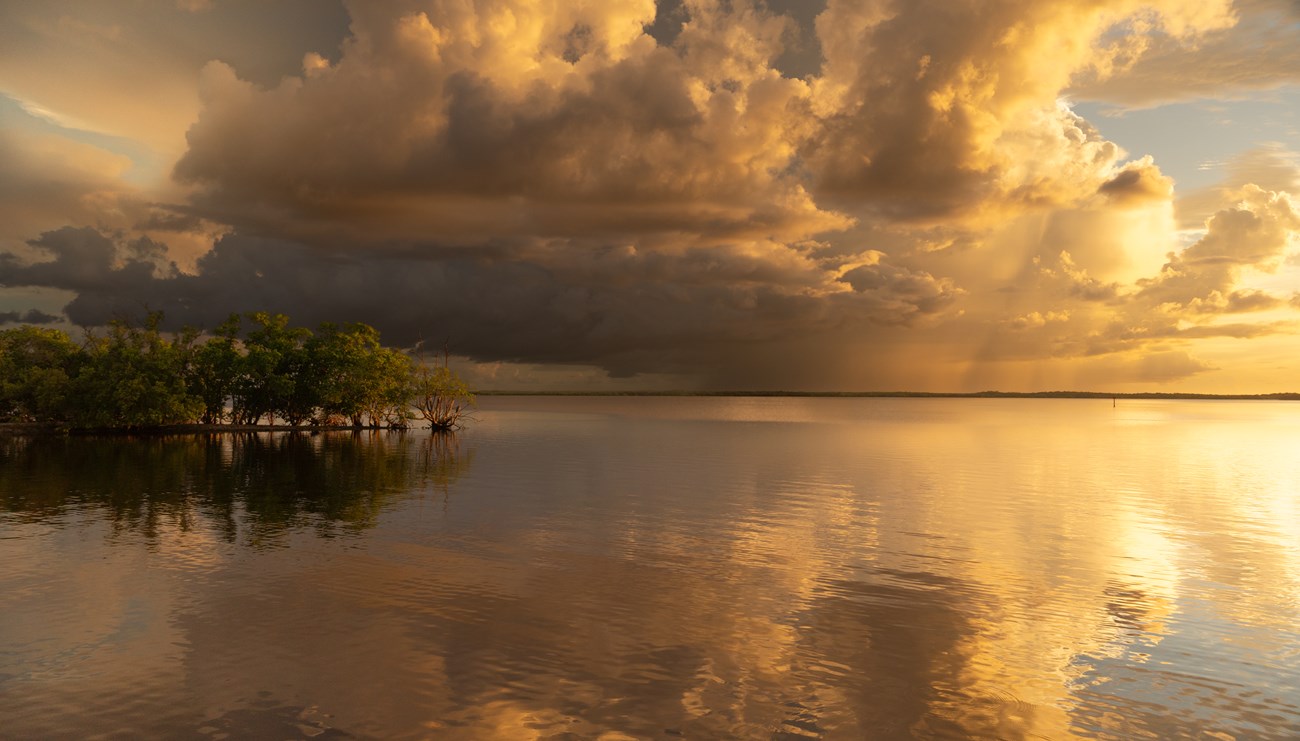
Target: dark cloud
87 261
670 16
266 41
31 316
615 307
1138 182
801 54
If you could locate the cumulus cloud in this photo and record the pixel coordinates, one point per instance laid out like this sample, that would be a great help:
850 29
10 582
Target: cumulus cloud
1269 166
703 188
501 116
512 117
1253 234
940 109
1075 280
1137 183
1036 319
1062 310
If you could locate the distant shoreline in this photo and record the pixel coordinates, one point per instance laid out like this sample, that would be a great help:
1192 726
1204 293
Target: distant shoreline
1280 396
27 428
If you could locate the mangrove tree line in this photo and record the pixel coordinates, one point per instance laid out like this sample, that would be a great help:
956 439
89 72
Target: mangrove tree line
252 369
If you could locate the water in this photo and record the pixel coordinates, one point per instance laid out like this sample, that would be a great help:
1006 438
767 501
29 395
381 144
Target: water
666 568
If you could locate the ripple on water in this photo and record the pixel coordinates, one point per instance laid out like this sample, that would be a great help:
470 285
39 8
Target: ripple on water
650 568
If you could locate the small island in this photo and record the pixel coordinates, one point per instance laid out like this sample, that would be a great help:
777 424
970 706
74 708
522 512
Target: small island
265 374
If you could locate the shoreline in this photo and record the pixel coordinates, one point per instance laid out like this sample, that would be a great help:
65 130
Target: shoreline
1150 395
40 428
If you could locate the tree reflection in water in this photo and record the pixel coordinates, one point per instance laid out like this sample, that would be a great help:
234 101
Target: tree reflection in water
246 487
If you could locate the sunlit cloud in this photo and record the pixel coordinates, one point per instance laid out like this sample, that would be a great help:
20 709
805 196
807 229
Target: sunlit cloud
698 191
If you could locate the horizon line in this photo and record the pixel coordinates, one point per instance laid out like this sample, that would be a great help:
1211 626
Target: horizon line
1269 396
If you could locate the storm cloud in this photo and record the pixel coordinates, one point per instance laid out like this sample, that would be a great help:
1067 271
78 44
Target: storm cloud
699 188
622 310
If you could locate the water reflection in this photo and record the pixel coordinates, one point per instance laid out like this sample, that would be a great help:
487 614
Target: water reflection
871 571
246 487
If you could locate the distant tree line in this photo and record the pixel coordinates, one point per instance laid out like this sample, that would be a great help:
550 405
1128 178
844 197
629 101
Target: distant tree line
136 377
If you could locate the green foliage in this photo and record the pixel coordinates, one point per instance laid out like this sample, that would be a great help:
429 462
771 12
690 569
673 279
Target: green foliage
135 377
441 398
356 378
342 360
36 367
388 401
272 380
214 368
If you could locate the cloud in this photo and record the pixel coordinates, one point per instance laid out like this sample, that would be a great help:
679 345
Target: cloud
1254 233
515 118
1036 319
1259 51
500 117
1061 309
611 306
1138 182
1163 367
48 181
1076 281
1269 166
899 293
681 190
937 109
31 316
128 68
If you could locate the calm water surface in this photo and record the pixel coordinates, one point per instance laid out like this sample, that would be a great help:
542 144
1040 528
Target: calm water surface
666 568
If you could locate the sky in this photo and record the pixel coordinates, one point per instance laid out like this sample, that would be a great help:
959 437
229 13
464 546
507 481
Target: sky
813 195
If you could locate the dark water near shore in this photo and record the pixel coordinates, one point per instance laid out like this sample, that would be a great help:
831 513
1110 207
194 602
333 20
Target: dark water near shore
666 568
